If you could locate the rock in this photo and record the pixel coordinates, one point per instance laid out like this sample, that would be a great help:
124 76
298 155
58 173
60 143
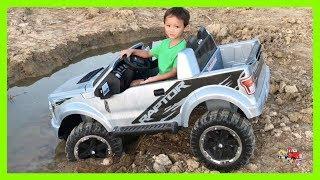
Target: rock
302 72
277 132
291 20
307 119
177 157
214 171
245 31
273 113
202 169
282 85
274 88
146 169
134 26
294 116
268 127
122 169
23 24
159 167
296 125
214 28
162 159
278 54
192 164
223 32
288 40
282 124
285 119
308 134
126 158
294 68
297 135
92 12
159 136
133 166
286 128
252 167
267 119
279 101
291 89
107 161
177 167
289 31
307 111
142 152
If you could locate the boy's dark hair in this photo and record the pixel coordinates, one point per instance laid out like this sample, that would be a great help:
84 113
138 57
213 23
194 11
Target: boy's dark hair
180 13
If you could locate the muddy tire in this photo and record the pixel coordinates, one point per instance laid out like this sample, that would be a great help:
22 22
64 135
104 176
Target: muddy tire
223 140
91 140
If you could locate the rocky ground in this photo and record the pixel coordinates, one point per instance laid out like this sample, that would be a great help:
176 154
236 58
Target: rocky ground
42 40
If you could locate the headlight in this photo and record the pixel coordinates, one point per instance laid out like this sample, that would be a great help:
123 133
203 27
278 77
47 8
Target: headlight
60 101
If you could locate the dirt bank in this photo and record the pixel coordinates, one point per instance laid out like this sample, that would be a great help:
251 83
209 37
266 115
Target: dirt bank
41 40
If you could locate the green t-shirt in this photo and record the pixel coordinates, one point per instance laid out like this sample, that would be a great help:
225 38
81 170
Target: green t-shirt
166 55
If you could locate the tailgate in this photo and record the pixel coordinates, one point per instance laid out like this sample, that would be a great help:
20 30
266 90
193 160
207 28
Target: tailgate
258 69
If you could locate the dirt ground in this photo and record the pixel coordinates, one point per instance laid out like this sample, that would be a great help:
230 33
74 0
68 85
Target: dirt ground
42 40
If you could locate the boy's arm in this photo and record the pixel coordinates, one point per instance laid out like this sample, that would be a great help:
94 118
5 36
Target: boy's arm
171 74
137 52
142 53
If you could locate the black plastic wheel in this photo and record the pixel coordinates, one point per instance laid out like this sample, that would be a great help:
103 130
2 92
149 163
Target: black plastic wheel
223 140
91 140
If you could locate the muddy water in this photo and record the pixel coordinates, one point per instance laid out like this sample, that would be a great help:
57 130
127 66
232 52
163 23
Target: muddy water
32 145
31 141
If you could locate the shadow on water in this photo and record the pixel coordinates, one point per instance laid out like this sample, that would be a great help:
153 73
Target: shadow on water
32 145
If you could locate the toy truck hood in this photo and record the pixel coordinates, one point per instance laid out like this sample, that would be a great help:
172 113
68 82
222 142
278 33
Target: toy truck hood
69 89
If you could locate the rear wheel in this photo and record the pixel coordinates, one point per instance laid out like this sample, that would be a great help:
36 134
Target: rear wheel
91 140
223 139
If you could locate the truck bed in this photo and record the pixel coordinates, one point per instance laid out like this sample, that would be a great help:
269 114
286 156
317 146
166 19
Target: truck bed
231 55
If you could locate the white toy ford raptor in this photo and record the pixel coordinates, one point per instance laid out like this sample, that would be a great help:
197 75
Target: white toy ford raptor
93 112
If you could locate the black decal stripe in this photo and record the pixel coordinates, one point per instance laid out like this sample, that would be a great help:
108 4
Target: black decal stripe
150 107
227 79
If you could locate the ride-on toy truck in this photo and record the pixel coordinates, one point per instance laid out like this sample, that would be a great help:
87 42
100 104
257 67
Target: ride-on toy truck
93 112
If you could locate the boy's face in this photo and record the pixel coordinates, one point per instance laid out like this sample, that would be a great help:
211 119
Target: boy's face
173 27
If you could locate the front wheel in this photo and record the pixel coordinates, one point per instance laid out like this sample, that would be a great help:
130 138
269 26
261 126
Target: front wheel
91 140
223 140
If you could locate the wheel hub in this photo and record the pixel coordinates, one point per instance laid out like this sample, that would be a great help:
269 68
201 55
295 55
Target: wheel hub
220 145
92 146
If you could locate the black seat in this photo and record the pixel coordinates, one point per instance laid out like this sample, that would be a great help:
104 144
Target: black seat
203 46
192 43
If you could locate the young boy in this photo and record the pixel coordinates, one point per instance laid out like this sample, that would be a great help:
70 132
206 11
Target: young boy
175 21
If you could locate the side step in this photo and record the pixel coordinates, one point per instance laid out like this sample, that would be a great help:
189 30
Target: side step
146 129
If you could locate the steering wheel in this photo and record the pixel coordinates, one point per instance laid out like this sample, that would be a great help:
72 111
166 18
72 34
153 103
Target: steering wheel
136 62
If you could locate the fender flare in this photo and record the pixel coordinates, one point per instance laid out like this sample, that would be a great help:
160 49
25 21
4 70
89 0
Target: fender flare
84 109
214 92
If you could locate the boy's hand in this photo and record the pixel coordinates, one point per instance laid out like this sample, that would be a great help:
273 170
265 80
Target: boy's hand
127 52
149 80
